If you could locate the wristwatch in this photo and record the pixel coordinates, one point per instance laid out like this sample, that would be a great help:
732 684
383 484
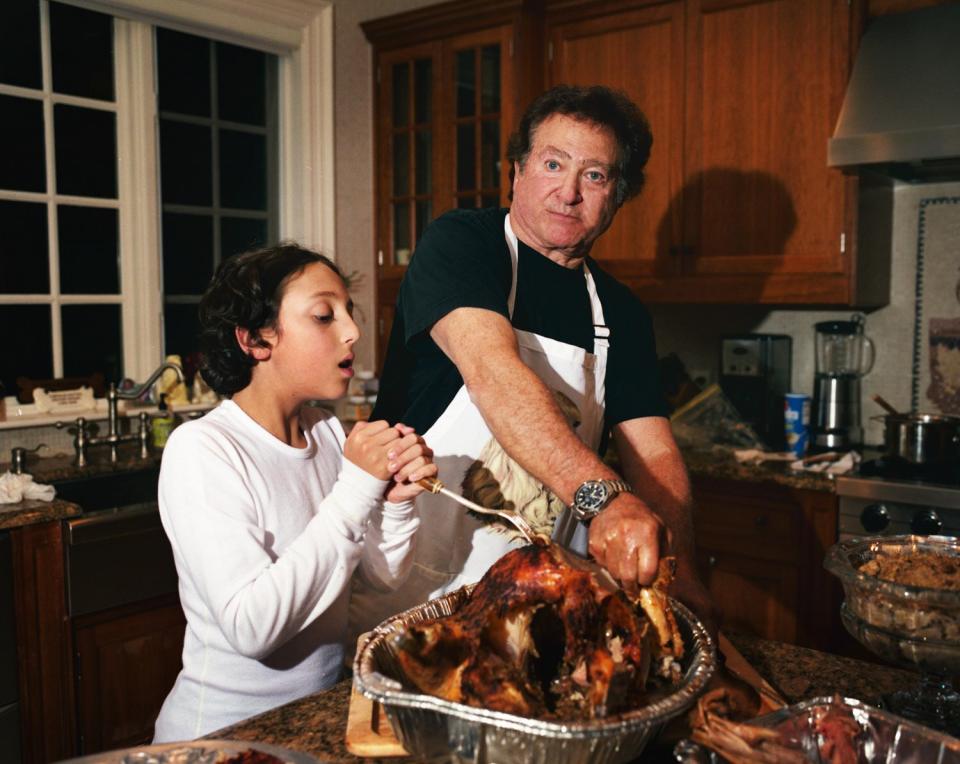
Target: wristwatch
594 495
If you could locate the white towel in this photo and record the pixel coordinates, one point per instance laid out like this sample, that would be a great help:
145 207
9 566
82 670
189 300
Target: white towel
14 488
830 463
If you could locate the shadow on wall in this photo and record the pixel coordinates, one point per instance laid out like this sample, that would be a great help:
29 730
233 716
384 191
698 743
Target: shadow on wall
727 213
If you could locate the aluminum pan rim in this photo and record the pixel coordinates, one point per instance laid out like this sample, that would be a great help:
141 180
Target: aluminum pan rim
376 686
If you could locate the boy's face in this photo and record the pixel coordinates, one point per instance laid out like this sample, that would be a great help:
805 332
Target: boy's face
312 353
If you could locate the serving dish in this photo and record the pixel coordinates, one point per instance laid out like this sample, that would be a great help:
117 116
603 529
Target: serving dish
437 730
883 736
191 752
913 626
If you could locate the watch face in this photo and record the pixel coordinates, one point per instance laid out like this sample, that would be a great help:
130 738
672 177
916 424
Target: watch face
591 496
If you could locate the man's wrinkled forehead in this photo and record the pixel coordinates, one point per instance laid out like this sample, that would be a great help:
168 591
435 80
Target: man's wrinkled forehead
539 144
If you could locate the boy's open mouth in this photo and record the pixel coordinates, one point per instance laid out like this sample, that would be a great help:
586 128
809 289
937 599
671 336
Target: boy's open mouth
346 363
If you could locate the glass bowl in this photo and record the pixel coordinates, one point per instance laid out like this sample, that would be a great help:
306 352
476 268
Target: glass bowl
883 737
912 626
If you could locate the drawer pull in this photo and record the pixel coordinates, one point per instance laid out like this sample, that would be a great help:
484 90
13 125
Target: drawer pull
712 561
760 521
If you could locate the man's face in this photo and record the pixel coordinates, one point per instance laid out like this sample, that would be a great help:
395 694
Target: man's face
563 198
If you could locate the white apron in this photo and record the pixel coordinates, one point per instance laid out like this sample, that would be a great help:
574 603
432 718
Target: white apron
453 548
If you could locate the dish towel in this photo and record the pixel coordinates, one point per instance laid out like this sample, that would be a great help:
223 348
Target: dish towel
830 463
14 488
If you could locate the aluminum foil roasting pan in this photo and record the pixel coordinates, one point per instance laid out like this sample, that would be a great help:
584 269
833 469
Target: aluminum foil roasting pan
437 730
884 737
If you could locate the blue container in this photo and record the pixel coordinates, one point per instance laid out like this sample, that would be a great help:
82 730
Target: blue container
796 418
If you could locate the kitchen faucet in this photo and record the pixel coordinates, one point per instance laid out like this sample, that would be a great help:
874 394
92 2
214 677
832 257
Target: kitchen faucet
113 438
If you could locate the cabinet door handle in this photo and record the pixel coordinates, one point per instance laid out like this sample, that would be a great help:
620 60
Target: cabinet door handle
760 521
712 561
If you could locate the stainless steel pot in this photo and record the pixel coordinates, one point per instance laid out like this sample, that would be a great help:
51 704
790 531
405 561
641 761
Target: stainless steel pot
922 439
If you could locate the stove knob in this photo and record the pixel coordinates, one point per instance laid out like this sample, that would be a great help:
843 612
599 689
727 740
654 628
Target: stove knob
875 518
926 522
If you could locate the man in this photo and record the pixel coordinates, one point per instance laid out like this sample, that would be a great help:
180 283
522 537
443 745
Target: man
514 355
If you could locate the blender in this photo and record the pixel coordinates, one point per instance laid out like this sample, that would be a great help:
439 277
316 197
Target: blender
843 355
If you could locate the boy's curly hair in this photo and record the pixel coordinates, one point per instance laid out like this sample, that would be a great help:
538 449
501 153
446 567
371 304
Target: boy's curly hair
246 291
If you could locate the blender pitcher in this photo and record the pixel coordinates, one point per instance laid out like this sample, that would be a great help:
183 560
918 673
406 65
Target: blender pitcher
843 355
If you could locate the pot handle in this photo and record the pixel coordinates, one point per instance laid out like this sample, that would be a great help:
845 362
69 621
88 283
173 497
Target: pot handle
869 356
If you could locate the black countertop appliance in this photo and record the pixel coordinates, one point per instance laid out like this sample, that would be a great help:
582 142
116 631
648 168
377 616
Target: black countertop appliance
755 375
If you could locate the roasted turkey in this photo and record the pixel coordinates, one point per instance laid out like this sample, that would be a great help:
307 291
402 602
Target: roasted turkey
547 635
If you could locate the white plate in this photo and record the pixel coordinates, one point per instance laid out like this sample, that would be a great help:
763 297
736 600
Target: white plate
191 752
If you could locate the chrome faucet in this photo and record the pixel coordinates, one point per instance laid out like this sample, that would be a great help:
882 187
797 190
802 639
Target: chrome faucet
113 438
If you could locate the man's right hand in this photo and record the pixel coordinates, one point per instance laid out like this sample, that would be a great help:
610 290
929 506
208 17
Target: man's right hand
628 539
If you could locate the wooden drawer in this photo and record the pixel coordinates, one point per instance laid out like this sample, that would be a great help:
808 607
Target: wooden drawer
745 526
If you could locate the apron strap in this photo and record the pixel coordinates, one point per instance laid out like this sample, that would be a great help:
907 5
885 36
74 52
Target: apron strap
513 247
601 332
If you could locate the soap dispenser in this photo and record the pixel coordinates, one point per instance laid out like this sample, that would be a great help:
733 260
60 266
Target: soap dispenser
162 424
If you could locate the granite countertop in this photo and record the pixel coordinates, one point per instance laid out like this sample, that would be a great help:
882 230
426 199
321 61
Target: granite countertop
35 511
51 469
723 464
316 724
54 469
719 464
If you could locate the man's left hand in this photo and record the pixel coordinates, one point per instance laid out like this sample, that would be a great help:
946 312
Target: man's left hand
628 539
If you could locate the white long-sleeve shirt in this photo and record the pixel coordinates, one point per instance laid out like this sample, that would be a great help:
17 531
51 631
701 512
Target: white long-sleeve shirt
266 538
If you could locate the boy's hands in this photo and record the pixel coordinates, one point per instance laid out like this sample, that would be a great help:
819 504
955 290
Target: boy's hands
391 452
413 460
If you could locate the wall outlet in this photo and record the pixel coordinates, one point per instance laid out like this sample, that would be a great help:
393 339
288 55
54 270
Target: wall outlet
703 377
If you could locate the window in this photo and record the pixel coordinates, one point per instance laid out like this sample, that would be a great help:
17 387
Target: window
60 291
218 168
95 290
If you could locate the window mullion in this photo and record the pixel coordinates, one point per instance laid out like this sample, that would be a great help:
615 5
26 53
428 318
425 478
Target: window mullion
53 244
138 184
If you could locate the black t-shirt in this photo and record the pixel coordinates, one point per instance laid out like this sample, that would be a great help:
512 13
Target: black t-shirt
463 261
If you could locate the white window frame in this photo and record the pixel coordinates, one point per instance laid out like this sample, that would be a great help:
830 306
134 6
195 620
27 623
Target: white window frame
300 33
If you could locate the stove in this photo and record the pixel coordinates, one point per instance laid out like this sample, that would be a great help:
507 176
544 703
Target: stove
886 497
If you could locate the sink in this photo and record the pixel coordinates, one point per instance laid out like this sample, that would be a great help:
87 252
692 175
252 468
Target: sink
111 490
117 551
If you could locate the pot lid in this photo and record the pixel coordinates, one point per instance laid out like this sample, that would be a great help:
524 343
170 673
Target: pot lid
838 327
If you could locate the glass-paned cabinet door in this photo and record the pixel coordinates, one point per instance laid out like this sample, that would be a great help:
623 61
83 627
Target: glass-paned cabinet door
407 169
479 119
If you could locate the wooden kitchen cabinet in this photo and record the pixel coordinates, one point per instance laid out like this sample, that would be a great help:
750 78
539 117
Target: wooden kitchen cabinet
126 662
760 548
742 97
640 51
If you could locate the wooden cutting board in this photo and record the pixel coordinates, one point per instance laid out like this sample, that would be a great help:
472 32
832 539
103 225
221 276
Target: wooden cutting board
368 728
770 699
369 732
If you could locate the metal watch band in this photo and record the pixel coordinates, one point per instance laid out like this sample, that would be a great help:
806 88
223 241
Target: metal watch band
620 486
613 487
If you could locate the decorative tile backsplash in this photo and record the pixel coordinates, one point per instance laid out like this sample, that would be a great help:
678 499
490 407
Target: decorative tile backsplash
936 341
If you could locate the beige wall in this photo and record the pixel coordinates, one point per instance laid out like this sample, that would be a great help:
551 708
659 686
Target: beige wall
353 119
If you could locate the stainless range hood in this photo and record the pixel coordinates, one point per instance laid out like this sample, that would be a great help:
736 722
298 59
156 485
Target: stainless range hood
901 112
